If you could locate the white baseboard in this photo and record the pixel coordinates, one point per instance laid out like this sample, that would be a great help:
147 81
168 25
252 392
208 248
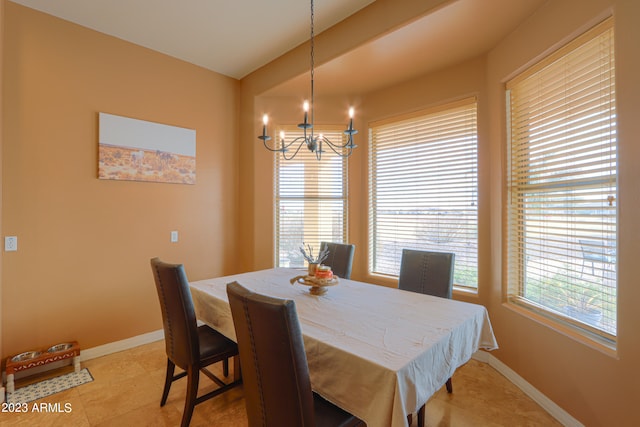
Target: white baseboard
126 344
481 356
547 404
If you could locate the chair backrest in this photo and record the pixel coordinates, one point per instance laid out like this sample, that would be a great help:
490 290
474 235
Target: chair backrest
594 250
275 374
427 272
178 314
340 258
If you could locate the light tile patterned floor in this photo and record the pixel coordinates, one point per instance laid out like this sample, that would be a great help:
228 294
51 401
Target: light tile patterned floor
127 388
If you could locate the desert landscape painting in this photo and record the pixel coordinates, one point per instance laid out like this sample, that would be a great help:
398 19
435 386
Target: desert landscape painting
138 150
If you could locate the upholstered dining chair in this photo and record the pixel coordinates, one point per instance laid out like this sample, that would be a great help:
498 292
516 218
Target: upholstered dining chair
340 258
428 273
275 373
188 346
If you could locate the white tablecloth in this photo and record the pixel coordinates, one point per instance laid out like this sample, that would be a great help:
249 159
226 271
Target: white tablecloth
377 352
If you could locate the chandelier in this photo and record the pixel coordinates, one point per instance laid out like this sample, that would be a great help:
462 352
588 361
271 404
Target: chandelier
315 143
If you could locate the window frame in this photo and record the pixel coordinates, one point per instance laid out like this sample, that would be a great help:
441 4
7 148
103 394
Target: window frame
416 119
515 269
291 132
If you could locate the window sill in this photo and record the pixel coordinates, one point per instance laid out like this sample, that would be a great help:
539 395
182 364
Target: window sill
381 279
392 282
465 291
565 329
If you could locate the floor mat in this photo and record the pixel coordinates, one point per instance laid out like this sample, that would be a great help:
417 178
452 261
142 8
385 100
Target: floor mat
48 387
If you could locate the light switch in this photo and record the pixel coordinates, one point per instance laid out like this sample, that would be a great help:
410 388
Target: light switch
174 236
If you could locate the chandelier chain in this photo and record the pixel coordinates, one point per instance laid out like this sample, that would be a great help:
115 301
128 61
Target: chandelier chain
312 64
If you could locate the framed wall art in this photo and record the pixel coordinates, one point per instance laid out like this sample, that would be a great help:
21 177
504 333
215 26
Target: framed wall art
138 150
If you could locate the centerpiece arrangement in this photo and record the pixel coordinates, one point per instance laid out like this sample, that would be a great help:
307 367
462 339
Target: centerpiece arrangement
314 261
318 276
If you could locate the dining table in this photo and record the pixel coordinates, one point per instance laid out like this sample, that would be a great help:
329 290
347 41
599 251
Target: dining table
377 352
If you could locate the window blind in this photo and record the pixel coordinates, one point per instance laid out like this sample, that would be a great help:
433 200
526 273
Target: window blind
562 185
310 199
423 188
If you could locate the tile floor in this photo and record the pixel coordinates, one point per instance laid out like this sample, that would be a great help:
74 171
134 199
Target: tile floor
127 388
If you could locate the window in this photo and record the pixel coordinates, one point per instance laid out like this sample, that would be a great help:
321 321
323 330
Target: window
562 175
423 189
310 200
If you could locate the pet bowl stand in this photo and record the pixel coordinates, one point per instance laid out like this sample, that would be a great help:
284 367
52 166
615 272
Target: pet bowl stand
46 356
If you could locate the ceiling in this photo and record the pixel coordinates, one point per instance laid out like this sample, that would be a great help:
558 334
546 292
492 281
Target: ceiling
459 31
237 37
231 37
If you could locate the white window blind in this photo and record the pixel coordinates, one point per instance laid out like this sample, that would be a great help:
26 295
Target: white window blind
423 188
310 199
562 185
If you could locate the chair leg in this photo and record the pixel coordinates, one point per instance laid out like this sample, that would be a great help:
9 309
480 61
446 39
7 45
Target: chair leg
237 369
449 386
167 381
193 377
225 367
421 413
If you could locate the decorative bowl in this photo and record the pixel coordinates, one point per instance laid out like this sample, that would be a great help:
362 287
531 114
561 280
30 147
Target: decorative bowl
318 286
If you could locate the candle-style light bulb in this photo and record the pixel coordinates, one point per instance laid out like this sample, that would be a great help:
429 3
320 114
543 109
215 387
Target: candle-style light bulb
265 120
282 135
305 107
351 112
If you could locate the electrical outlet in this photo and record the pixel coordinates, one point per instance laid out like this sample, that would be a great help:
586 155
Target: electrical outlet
174 236
10 243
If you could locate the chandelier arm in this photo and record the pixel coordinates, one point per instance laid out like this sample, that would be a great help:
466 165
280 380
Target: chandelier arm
283 148
349 145
264 141
284 153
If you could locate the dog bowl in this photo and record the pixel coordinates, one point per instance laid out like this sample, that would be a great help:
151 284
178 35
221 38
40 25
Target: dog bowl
27 355
59 347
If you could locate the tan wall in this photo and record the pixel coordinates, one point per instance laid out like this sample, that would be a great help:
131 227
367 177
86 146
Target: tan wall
1 139
82 270
597 388
84 249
